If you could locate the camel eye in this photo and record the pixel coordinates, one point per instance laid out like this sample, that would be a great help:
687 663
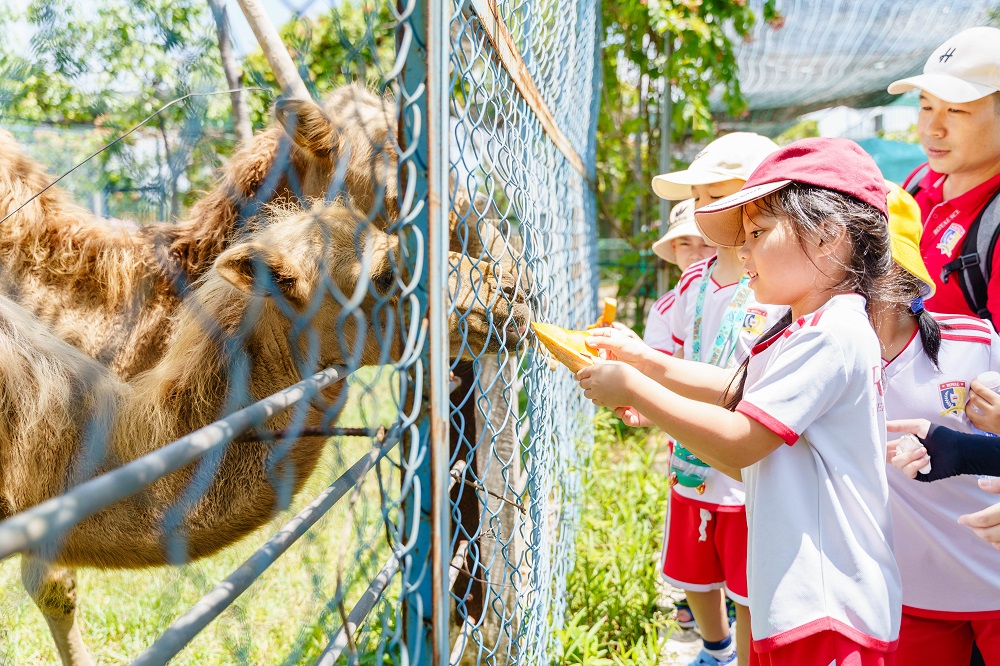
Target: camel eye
382 281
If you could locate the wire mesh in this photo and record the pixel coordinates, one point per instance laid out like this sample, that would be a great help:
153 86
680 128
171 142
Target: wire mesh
517 423
285 301
844 52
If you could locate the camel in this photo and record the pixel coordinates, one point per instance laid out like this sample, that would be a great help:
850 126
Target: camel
52 394
108 290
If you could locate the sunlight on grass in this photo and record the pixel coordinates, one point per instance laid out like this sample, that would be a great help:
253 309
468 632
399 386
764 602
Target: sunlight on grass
282 618
612 611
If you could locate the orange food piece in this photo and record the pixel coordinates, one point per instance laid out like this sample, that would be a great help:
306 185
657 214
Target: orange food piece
566 346
608 316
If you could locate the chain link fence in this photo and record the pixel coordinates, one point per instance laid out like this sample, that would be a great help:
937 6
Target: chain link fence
315 393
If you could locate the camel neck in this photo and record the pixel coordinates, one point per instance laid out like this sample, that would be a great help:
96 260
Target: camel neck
193 380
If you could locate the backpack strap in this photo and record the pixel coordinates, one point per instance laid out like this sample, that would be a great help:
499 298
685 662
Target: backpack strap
915 178
972 265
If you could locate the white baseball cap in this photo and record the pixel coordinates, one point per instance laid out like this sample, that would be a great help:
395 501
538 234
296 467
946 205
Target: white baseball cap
731 156
681 224
963 69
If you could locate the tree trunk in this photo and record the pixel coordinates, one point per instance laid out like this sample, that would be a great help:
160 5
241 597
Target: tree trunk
171 169
274 50
234 75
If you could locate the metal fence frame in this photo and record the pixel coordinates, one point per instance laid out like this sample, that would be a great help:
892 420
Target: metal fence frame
428 556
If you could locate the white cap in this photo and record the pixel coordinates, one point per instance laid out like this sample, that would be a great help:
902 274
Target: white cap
681 224
731 156
963 69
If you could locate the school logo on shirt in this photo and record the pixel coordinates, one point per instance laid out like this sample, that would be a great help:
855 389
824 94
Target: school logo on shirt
753 321
952 397
950 238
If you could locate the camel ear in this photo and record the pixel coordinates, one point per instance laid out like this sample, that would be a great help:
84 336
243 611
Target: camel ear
247 266
307 124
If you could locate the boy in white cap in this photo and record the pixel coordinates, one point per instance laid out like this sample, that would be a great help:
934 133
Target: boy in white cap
681 246
959 129
714 319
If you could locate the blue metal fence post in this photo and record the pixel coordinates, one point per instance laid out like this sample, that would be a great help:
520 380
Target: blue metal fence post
424 107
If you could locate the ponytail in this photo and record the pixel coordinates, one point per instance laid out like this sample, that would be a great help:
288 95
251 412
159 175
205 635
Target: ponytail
930 330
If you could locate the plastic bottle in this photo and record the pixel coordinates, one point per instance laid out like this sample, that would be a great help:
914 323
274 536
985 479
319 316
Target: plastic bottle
910 443
991 379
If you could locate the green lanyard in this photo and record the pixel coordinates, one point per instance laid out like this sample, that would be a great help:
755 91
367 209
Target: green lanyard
724 347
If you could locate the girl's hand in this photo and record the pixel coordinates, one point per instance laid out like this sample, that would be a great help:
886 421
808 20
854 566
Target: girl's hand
617 345
609 383
631 417
908 462
918 427
983 407
986 523
618 326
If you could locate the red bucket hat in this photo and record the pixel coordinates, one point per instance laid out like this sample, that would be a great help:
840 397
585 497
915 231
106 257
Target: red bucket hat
833 164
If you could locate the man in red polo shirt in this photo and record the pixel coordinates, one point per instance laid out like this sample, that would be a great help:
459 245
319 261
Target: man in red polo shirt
959 129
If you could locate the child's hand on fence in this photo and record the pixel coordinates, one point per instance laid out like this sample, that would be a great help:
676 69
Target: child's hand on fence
614 344
609 383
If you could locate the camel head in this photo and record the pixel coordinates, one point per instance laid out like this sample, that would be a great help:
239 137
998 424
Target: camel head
348 140
345 274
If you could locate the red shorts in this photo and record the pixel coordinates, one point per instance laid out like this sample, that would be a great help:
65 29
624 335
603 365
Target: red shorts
705 549
924 640
826 648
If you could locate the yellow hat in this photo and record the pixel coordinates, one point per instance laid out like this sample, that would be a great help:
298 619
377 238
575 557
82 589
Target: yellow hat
905 229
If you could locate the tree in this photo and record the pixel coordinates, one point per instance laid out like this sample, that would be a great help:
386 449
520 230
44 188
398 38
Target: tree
234 76
110 65
645 43
354 41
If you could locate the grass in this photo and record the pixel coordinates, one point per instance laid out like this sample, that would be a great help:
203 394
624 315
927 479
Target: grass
276 620
612 613
284 617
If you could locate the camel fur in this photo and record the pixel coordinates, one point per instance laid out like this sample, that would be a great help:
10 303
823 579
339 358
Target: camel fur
54 396
108 291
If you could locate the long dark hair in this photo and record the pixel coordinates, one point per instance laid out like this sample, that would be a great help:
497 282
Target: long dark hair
823 215
930 331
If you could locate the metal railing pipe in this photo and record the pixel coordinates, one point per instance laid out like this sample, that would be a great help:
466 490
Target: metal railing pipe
210 606
54 517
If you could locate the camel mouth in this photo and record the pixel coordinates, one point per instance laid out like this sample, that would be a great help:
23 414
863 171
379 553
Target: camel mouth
513 334
516 329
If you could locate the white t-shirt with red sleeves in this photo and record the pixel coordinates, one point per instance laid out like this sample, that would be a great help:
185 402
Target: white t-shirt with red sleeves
819 555
721 491
658 333
948 572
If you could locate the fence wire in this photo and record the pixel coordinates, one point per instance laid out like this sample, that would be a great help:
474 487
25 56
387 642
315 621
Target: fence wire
231 358
844 52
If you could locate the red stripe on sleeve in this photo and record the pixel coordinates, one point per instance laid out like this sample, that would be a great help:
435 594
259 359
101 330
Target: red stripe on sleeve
787 435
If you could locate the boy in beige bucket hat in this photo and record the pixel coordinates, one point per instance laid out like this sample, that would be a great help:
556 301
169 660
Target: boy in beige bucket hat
682 245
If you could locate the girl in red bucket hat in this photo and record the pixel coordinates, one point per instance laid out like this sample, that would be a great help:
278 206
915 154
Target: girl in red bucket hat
802 421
